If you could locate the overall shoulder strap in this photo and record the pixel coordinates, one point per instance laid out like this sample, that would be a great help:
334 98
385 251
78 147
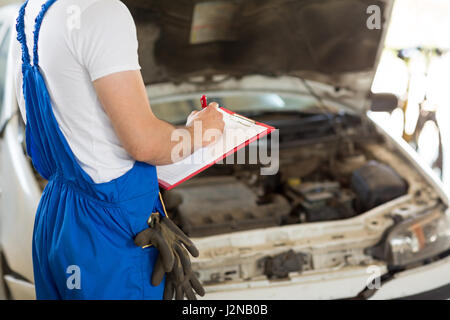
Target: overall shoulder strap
21 37
20 27
37 29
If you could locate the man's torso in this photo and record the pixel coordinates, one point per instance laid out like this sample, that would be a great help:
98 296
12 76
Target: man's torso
68 61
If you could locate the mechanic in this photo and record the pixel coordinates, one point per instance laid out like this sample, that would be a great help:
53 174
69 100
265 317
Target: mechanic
101 230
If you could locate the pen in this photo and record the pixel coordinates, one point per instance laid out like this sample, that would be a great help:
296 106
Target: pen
203 101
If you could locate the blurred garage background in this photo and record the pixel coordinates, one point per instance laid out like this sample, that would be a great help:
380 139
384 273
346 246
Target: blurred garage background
416 66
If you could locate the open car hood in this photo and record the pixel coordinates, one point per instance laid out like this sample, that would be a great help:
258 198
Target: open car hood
326 41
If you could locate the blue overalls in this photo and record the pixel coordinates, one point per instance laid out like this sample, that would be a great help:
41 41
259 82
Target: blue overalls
83 234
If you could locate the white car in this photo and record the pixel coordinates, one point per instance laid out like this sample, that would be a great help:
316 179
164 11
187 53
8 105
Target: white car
351 212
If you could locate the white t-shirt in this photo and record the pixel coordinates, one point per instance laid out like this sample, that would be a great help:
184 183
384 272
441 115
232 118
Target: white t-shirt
81 41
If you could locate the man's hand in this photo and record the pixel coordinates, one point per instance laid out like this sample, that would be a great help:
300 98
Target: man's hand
211 123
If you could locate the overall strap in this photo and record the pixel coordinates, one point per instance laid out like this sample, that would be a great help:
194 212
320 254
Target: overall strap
21 37
20 27
37 29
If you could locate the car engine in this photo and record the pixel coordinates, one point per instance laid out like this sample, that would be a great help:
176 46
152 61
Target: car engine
319 179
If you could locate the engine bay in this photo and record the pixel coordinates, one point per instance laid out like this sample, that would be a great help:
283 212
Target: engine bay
324 174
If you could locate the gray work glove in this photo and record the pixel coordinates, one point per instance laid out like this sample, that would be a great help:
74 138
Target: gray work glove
173 258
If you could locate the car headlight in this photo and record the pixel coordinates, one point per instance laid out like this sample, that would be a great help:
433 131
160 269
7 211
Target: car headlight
417 239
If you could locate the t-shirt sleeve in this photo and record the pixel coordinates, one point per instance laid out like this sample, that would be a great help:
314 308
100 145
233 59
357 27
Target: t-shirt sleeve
106 40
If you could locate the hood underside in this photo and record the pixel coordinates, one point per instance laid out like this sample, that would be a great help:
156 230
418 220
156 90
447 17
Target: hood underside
321 40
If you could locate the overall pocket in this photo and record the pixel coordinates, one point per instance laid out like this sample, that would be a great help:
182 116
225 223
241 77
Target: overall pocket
137 211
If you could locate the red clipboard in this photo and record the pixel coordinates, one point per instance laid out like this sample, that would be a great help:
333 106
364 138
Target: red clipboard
269 129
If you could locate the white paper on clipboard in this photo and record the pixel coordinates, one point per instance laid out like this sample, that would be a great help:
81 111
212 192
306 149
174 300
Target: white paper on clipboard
238 132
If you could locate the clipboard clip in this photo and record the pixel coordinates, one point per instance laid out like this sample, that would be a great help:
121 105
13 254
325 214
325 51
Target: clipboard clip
204 104
243 118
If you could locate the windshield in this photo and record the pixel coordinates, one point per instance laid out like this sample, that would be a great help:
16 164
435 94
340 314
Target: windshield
176 109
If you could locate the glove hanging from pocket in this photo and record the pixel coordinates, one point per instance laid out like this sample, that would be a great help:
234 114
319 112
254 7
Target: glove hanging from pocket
173 257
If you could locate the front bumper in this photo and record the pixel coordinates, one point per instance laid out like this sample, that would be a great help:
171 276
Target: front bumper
430 281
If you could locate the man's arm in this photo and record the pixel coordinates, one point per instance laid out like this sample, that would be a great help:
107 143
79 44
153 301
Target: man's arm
145 137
